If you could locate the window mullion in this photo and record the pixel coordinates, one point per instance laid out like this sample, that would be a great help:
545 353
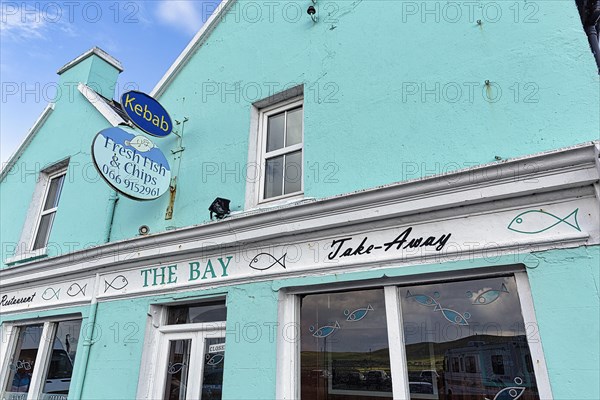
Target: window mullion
41 361
398 364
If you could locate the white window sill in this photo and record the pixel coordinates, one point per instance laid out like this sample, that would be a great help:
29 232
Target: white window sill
25 257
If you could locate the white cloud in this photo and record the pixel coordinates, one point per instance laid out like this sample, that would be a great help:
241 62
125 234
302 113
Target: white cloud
16 24
181 14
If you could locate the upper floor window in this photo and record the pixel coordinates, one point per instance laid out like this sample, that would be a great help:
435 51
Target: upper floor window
49 208
280 150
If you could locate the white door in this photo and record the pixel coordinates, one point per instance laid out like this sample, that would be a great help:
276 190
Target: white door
190 362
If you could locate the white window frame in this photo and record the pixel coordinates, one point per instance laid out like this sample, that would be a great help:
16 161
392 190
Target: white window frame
262 154
10 333
42 212
288 346
26 242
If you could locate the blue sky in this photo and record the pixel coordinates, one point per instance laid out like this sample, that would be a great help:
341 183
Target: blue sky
38 37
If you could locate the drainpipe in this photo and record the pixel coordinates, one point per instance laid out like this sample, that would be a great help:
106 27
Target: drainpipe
112 204
83 359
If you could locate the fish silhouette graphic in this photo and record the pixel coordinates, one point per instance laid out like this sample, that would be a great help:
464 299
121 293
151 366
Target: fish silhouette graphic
264 261
357 314
76 289
140 143
537 221
215 360
324 331
422 299
510 393
119 282
50 293
453 316
489 296
175 368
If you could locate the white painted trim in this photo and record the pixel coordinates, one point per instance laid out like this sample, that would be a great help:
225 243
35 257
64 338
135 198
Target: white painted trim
288 348
10 334
6 167
561 175
395 331
191 48
93 51
533 340
100 105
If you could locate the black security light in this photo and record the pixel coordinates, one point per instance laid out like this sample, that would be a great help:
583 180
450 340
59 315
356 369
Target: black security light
219 207
312 11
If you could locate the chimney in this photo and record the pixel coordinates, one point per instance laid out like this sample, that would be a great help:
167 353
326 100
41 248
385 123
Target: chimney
96 68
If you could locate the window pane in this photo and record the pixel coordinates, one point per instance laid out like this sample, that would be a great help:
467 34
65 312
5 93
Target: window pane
60 369
293 172
212 377
466 340
41 239
178 369
22 364
275 132
293 132
274 177
344 346
54 192
197 313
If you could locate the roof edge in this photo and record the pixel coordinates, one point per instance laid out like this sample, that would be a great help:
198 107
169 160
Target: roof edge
192 46
93 51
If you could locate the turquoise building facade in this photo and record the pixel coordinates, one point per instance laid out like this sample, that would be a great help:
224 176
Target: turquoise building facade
414 214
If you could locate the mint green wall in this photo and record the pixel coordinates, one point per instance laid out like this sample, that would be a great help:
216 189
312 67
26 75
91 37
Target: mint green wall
360 131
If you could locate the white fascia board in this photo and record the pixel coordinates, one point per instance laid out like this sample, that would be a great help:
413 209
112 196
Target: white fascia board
557 176
93 51
100 105
191 48
32 132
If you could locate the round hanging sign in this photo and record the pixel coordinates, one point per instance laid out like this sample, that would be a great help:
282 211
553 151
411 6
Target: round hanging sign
146 113
131 163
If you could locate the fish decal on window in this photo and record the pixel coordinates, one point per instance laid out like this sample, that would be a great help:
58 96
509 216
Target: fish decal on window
511 392
264 261
119 282
175 368
453 316
324 331
537 221
50 294
422 299
215 360
357 314
489 296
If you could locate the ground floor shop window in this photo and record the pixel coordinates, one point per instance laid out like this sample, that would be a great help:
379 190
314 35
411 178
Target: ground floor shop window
461 339
41 360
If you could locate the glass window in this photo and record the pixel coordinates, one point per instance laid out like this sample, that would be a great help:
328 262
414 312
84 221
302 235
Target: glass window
344 346
197 313
212 375
281 154
49 210
55 369
477 323
177 369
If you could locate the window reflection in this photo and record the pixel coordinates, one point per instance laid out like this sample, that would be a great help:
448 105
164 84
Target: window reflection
60 368
212 375
344 346
466 341
197 313
22 365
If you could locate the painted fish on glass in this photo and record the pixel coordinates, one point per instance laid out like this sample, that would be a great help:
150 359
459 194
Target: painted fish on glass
422 299
175 368
489 296
50 293
76 289
357 314
536 221
264 261
510 393
215 360
324 331
453 316
119 282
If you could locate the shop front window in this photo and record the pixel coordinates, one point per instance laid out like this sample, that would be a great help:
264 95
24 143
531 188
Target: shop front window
37 358
344 346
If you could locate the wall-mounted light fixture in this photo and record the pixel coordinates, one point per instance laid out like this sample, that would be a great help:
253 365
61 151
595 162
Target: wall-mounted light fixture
312 11
219 207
